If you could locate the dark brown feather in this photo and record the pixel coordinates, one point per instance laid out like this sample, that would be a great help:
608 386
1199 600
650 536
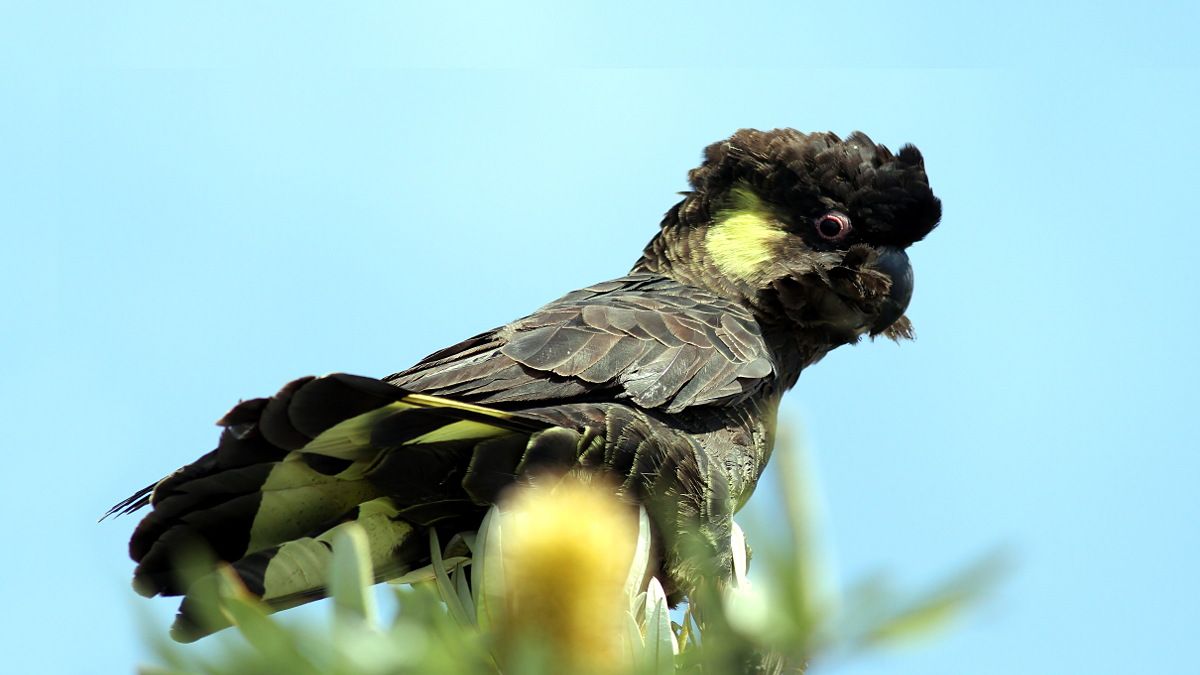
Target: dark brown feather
641 337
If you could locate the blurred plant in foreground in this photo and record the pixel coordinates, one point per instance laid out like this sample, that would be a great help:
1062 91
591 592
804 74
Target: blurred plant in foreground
558 580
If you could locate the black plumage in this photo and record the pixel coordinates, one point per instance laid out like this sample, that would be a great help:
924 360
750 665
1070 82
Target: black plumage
789 245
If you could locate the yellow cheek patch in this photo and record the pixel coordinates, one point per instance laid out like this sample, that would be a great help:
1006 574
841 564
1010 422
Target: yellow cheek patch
744 238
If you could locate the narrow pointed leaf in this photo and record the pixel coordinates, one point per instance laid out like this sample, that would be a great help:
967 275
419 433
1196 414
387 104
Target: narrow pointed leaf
490 588
352 575
660 639
737 543
445 588
639 565
937 609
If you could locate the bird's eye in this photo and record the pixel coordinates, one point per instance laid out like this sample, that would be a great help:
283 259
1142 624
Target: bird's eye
833 226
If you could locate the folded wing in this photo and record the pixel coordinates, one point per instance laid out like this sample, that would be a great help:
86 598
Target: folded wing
643 338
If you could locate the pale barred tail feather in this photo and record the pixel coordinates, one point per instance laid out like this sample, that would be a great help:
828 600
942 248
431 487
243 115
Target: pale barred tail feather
291 469
297 571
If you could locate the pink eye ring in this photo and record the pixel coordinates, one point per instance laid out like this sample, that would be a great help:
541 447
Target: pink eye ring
833 226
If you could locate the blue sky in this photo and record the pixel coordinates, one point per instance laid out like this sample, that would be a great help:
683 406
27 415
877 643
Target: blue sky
201 202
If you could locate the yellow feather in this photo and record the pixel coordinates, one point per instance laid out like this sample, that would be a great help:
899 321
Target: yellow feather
296 499
439 402
351 439
744 237
460 431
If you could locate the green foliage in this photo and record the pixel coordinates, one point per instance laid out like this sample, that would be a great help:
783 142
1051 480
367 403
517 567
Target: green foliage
451 618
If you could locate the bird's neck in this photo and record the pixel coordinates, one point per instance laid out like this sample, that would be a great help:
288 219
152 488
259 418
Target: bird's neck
793 347
792 353
680 251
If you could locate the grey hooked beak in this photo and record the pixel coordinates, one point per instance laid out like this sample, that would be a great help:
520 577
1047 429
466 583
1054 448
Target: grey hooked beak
894 263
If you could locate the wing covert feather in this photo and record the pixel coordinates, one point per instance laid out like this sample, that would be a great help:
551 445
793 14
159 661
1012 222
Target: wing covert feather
647 338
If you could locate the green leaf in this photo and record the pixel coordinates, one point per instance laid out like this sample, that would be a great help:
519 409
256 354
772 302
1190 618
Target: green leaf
465 597
810 596
635 643
445 587
741 563
487 572
639 565
686 634
352 575
660 640
272 641
935 610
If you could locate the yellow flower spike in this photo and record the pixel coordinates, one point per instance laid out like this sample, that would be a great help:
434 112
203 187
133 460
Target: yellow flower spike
566 554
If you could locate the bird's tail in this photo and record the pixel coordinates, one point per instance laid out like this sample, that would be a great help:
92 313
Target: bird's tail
290 470
296 571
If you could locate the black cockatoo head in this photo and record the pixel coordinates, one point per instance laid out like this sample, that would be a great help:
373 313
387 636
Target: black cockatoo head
808 229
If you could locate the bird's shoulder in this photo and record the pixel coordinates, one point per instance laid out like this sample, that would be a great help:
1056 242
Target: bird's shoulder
643 337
